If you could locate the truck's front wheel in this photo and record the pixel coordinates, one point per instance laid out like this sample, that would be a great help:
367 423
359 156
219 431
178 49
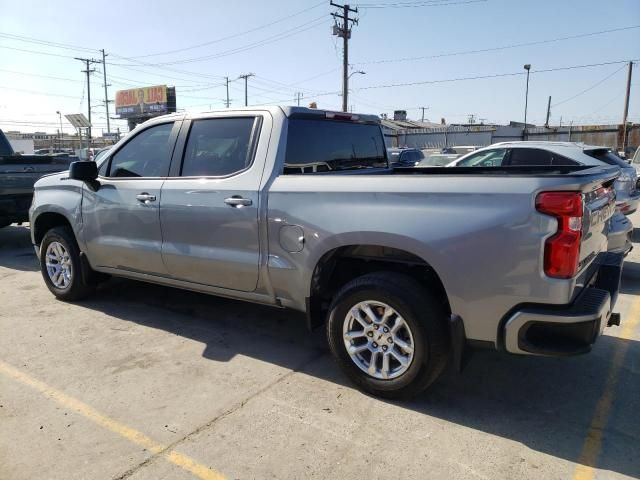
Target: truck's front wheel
61 265
388 334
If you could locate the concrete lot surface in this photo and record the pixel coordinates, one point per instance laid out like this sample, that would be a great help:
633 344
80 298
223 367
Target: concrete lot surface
146 382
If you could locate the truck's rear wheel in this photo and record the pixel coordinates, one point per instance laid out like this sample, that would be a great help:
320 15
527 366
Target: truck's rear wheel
388 334
61 265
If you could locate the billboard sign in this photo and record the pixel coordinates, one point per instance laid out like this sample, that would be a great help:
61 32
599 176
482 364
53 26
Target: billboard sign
142 102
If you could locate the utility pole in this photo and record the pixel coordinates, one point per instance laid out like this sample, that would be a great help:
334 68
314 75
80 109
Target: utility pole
423 109
546 123
227 102
88 61
344 30
527 67
106 94
246 77
626 109
299 96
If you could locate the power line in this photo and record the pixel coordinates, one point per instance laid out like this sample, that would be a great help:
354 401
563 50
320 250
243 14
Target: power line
416 4
36 52
65 46
29 74
35 92
495 75
228 37
274 38
590 88
494 49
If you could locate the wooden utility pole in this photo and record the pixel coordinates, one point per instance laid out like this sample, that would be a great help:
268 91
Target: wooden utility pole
299 96
423 109
227 101
546 123
344 30
246 77
106 94
626 109
88 61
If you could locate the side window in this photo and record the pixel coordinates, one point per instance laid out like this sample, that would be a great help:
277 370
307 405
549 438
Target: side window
487 158
218 147
530 157
145 155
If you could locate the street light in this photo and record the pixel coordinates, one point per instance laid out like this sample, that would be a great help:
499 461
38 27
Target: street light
344 100
527 67
60 139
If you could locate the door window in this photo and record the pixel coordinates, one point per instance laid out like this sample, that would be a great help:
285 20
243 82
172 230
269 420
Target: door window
219 147
487 158
146 155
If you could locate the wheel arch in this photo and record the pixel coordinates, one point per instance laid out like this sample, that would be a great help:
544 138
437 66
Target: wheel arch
340 264
45 221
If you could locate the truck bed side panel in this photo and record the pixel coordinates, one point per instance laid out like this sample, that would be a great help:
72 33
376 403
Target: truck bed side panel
482 236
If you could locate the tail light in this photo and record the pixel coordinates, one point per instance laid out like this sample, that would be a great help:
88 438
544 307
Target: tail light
562 250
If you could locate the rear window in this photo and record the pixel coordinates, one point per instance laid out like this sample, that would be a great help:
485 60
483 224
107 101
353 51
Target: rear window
315 146
607 156
537 158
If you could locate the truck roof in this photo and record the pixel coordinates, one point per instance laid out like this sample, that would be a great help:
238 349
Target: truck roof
288 110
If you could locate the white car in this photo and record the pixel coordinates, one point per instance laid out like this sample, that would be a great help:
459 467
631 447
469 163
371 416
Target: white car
531 153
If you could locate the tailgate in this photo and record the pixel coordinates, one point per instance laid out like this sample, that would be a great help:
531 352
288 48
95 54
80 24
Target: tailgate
599 206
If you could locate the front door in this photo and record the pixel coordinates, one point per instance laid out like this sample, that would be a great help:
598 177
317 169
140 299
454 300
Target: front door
121 218
209 209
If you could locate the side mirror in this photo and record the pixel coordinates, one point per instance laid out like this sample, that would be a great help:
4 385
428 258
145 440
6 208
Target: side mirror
85 171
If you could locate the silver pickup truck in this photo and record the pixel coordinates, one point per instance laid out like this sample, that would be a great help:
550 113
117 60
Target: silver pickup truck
297 208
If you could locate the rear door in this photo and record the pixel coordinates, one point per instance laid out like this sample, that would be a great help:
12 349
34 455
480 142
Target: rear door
209 207
121 219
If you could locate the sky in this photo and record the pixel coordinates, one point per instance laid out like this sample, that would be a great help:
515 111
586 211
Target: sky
453 57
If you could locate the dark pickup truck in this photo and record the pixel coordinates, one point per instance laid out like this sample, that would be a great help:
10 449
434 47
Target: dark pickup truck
18 173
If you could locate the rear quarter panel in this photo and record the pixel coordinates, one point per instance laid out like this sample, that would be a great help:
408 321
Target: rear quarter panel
482 236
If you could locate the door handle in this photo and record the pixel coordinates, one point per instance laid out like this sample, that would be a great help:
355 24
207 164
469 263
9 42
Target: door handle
145 198
237 201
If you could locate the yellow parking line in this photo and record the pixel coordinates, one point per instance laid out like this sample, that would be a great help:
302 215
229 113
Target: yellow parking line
183 461
593 441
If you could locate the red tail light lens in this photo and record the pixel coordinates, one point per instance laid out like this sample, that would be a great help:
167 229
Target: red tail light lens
562 250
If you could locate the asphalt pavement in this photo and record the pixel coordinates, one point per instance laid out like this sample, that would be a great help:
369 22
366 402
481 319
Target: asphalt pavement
147 382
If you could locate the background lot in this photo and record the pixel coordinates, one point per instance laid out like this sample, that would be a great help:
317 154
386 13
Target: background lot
142 382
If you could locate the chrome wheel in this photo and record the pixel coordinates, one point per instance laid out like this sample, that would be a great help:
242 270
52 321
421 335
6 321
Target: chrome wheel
378 340
58 264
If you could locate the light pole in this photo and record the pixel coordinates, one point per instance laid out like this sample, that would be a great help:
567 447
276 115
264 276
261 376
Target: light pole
349 78
60 140
527 67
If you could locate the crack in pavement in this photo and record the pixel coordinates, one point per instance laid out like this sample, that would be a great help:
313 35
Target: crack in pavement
236 407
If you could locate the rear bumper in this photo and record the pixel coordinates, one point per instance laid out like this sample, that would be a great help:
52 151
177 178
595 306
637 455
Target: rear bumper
628 204
561 330
620 232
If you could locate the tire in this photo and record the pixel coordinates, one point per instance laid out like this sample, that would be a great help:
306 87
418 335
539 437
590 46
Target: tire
79 285
424 317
